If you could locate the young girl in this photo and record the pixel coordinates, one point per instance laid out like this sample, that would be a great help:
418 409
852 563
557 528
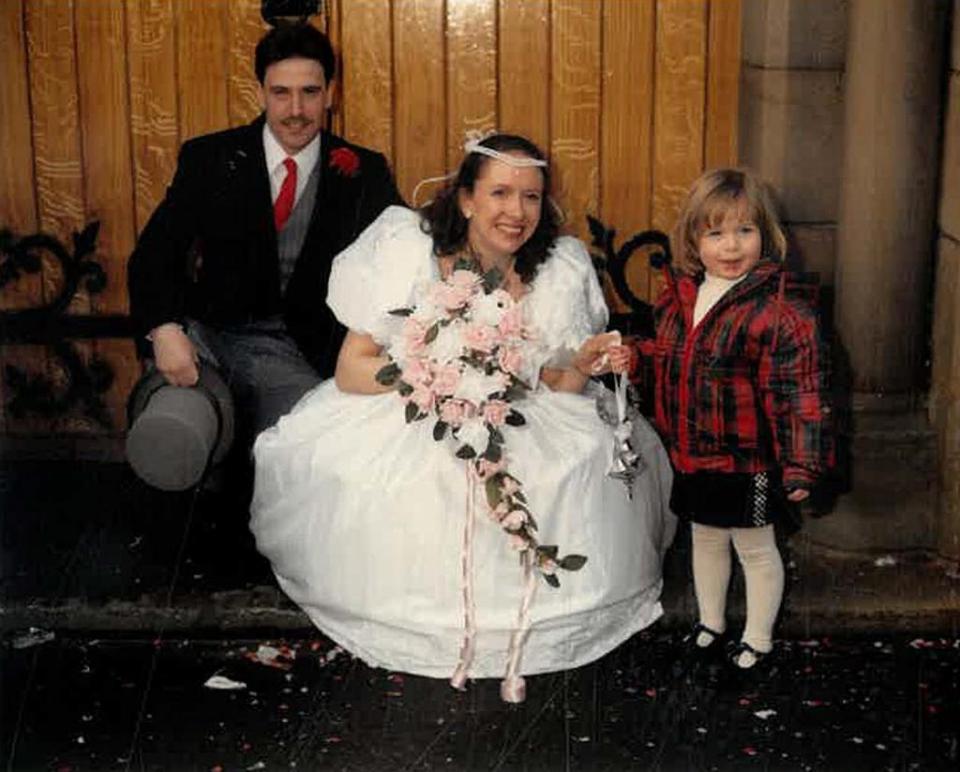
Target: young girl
740 398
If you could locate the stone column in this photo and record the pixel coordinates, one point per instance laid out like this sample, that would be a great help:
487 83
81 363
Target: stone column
894 70
945 378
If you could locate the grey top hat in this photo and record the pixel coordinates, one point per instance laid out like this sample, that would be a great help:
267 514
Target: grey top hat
176 432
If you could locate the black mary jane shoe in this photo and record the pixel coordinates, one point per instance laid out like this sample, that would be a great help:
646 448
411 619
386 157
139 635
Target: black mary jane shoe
695 658
736 677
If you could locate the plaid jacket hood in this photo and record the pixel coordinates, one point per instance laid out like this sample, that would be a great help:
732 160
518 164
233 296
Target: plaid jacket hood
746 390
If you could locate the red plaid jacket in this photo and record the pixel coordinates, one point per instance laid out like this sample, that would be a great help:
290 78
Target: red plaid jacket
746 390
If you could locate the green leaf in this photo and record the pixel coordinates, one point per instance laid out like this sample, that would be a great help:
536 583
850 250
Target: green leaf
411 413
439 430
515 419
551 579
431 334
494 497
404 389
466 452
520 496
495 434
388 374
493 453
492 279
464 264
573 562
401 312
550 550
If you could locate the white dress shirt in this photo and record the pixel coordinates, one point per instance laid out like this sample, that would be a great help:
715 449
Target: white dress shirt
306 159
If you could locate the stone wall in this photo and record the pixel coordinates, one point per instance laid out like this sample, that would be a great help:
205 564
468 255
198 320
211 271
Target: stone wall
791 116
945 376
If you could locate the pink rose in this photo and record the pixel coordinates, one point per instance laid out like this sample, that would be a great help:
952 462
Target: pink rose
446 379
453 412
423 398
416 373
495 411
450 296
549 566
514 520
517 542
487 469
481 337
510 359
510 486
511 323
413 333
467 279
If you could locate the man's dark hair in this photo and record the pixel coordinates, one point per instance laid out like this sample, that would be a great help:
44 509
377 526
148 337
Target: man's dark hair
297 40
444 221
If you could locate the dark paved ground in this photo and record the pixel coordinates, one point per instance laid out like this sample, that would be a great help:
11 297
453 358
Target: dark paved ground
104 704
140 598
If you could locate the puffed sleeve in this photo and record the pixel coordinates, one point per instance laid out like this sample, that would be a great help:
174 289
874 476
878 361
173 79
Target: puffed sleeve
569 305
379 271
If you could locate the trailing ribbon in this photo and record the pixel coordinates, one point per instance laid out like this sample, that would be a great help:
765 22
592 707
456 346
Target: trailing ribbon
513 688
459 678
623 466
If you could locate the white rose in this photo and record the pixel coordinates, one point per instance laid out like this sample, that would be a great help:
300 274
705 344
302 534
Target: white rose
489 309
448 345
475 387
474 433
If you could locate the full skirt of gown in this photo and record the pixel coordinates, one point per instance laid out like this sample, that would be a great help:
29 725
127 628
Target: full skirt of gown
362 516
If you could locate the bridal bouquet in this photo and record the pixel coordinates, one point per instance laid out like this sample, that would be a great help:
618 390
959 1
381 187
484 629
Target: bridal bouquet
459 358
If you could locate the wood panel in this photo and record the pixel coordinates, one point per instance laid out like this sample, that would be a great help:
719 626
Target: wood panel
632 98
678 104
575 109
201 35
471 73
152 57
108 177
366 99
58 161
245 28
17 190
723 84
524 69
626 180
419 130
18 209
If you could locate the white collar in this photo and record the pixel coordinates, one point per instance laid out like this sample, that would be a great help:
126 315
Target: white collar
306 159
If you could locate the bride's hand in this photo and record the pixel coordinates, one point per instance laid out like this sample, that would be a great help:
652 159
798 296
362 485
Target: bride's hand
594 356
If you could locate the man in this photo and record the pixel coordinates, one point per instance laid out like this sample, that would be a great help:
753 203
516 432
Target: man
232 267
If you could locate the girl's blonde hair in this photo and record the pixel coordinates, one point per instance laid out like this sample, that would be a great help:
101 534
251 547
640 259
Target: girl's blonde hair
710 199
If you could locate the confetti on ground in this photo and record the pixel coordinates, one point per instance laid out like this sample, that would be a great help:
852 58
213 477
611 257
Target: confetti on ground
764 714
33 637
885 561
279 657
222 682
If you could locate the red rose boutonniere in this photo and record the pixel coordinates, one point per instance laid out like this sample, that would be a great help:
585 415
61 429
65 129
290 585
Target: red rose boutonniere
345 161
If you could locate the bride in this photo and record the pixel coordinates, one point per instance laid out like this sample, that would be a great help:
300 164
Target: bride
382 533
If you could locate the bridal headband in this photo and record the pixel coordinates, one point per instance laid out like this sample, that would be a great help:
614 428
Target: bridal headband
471 144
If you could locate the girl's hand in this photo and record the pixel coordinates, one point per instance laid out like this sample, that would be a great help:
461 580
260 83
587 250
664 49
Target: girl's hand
593 357
620 358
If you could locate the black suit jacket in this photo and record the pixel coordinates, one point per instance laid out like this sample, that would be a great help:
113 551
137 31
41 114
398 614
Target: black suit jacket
210 249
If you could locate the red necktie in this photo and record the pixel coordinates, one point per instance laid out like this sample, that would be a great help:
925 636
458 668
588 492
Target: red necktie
288 192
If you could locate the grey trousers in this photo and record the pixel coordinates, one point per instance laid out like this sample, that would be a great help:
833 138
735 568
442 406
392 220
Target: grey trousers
261 364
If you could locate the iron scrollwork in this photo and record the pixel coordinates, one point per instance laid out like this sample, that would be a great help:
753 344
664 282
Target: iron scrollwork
50 325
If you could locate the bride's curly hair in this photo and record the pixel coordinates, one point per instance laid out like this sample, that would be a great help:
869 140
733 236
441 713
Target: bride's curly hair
444 220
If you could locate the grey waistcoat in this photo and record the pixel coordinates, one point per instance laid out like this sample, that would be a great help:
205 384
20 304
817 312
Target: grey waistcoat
290 238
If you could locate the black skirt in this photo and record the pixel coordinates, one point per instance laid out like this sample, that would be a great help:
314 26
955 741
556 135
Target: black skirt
730 500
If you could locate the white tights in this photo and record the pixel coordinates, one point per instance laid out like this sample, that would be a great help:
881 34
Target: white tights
762 569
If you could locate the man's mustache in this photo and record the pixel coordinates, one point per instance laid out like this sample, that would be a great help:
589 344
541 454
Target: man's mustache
295 121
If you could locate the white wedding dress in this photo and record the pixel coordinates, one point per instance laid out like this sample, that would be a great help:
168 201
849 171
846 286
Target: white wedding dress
362 515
